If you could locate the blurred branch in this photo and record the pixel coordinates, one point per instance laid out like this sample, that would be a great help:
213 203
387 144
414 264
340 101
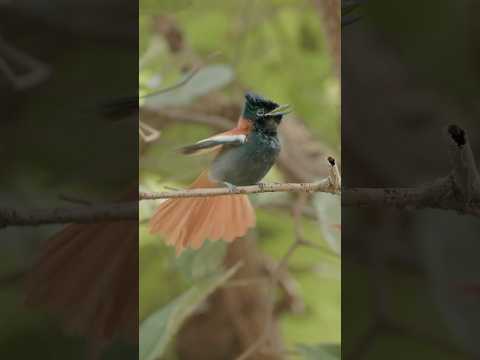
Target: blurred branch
21 69
329 11
129 210
218 122
147 132
278 274
175 86
410 198
64 215
459 191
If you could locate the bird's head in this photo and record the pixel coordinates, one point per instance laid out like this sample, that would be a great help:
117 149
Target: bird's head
257 106
265 114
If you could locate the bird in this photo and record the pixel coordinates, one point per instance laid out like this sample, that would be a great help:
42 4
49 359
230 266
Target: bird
243 156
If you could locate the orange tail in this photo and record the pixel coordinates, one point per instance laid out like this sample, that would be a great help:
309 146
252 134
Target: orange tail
188 222
88 273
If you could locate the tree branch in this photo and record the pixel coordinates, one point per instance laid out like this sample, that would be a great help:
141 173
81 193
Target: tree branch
331 184
409 198
459 191
129 210
65 215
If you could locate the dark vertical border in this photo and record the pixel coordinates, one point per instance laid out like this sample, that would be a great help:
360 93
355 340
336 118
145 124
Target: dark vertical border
69 179
410 149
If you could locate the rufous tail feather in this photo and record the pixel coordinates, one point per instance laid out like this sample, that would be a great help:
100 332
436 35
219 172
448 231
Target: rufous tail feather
88 274
188 222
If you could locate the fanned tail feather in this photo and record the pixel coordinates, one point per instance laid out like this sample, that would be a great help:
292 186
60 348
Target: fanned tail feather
88 274
188 222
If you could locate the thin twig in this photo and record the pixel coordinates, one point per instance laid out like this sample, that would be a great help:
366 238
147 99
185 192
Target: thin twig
129 210
218 122
175 86
320 186
74 200
194 71
331 185
37 71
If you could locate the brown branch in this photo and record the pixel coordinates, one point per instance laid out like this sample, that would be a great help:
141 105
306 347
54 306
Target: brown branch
329 11
129 210
324 185
409 198
459 191
64 215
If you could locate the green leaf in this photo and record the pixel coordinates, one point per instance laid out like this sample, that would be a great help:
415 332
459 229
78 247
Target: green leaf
320 351
207 79
158 329
196 264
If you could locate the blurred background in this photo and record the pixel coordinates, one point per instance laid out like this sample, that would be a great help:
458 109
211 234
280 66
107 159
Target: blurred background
60 61
192 307
409 278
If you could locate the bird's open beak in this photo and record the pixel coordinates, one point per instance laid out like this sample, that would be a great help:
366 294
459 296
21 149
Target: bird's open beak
280 110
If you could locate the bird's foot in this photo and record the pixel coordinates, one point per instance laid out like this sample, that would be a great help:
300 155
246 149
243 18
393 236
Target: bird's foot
230 186
261 185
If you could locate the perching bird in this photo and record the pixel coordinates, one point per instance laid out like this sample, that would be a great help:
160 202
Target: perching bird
244 155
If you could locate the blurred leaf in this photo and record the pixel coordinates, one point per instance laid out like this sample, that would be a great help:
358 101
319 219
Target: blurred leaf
196 264
320 352
207 79
329 216
158 329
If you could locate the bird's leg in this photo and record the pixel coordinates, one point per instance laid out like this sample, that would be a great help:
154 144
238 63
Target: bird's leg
261 185
230 186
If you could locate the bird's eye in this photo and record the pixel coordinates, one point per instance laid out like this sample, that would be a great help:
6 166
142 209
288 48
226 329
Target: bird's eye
260 112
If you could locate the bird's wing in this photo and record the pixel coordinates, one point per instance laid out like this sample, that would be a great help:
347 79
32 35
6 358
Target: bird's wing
214 143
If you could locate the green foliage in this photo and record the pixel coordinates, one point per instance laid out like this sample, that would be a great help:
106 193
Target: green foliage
158 329
322 351
196 264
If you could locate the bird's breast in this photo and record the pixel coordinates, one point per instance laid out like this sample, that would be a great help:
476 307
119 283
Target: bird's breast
246 164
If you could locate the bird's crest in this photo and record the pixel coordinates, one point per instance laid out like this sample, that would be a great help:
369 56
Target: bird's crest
254 103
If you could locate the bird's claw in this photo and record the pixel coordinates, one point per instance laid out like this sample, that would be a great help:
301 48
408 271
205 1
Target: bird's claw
261 185
230 186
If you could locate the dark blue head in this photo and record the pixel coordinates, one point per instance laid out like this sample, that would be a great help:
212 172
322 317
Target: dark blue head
266 114
255 103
